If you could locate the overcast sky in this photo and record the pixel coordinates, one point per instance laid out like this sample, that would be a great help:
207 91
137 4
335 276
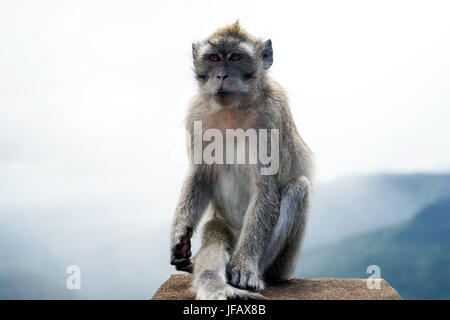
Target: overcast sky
93 93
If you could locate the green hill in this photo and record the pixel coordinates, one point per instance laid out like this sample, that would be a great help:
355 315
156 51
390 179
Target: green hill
413 256
354 205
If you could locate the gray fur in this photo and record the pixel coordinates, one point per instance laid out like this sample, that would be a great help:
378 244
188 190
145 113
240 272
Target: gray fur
259 221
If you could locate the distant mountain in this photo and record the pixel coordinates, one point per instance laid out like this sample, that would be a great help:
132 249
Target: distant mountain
33 286
355 205
120 257
414 257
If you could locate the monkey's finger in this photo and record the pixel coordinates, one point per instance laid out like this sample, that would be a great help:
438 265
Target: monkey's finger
256 296
179 261
184 253
234 277
181 244
182 248
178 255
187 268
243 280
184 265
178 247
181 251
238 296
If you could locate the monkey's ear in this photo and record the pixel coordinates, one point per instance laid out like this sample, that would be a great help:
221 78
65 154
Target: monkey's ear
267 54
194 49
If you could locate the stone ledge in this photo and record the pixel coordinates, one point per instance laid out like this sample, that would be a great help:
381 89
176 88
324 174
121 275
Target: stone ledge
177 288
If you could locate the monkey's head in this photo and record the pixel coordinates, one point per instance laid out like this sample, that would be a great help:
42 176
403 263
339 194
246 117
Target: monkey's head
231 65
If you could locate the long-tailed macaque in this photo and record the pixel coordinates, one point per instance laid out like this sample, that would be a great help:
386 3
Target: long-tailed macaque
258 217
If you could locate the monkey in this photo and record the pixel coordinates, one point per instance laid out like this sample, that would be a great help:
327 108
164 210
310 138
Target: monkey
257 221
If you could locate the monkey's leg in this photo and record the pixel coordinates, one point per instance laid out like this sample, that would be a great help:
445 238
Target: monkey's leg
209 275
283 249
261 217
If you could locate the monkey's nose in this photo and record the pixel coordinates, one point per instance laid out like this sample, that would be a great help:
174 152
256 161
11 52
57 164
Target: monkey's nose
222 76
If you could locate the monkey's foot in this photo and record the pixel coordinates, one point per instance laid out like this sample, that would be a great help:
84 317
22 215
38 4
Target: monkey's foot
226 292
181 253
245 279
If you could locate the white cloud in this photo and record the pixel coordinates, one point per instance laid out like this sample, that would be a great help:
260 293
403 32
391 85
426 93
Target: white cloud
93 94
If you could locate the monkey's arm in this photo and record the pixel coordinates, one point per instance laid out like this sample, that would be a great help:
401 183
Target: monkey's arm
260 219
195 196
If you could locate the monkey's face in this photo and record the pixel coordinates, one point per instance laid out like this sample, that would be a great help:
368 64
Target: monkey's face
229 69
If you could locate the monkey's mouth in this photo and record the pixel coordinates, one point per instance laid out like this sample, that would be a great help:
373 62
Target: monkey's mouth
224 93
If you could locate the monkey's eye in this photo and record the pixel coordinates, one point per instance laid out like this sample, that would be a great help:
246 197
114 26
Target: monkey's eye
214 57
235 57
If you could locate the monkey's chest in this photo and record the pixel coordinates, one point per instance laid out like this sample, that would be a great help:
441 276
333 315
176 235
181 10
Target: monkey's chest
232 191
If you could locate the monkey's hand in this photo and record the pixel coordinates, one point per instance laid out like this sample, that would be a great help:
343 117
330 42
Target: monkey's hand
243 274
181 252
